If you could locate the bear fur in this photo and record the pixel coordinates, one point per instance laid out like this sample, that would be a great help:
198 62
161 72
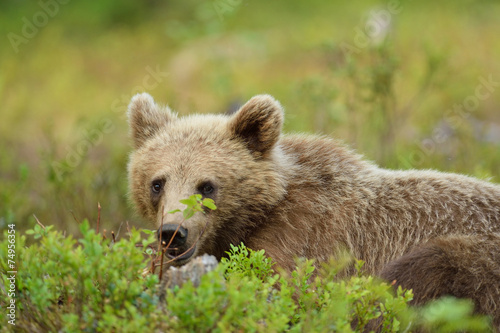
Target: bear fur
306 196
465 266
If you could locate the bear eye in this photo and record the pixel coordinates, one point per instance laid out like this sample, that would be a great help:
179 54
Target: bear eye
206 188
156 186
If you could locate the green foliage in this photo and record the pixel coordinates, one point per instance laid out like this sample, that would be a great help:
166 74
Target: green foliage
86 284
244 303
194 204
94 284
353 304
244 262
438 316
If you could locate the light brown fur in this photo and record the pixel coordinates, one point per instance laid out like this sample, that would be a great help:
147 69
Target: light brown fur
293 195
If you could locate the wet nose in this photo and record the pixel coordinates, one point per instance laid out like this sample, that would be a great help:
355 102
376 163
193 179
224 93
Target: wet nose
167 233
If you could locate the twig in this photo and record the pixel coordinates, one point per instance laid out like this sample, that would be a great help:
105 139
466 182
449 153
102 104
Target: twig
113 236
160 243
73 213
161 227
98 217
152 270
164 247
119 228
175 232
154 262
183 253
173 236
163 250
38 221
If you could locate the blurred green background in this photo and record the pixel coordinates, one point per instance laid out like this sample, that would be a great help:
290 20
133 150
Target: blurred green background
410 84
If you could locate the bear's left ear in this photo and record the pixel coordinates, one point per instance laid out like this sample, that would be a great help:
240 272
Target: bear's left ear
258 123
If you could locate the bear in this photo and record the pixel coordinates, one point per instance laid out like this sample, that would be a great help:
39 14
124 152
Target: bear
297 195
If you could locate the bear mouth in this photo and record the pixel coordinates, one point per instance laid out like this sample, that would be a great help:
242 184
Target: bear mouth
180 255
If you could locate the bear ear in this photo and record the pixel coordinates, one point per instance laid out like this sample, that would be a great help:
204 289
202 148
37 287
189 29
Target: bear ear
258 123
145 118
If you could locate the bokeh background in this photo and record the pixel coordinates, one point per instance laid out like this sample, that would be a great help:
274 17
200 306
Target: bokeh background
410 84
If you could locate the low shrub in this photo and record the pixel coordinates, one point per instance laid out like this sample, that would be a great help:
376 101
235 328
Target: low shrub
97 284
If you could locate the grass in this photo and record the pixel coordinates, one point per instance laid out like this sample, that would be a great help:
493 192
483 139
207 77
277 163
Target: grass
65 91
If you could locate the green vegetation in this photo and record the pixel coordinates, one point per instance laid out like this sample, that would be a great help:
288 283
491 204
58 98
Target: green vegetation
86 285
98 284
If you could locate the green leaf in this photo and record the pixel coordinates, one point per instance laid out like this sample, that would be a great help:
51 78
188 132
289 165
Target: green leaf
190 202
209 203
188 213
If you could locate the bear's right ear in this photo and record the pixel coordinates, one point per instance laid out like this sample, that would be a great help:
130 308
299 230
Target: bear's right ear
145 118
258 123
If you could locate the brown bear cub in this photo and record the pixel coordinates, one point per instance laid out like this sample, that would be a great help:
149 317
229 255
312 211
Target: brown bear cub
309 196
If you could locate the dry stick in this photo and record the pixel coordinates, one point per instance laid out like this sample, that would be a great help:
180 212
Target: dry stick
175 232
161 226
173 236
170 241
113 236
152 269
119 228
38 221
98 217
163 250
73 213
160 243
192 246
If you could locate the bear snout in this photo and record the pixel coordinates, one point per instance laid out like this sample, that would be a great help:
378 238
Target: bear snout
178 233
175 237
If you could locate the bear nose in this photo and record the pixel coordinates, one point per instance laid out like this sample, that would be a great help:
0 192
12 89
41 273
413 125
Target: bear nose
168 231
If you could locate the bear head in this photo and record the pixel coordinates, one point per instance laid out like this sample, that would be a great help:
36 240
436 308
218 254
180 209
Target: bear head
232 159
